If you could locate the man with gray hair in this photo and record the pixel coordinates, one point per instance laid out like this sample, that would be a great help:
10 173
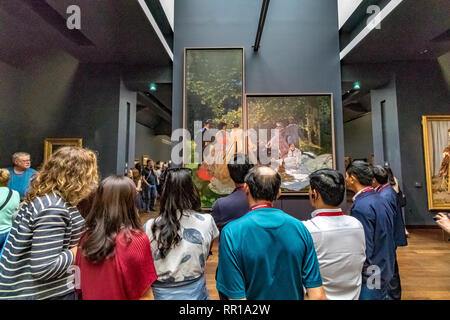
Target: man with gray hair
267 254
21 173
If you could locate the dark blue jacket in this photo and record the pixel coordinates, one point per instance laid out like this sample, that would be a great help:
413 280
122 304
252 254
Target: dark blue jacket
377 220
388 193
230 208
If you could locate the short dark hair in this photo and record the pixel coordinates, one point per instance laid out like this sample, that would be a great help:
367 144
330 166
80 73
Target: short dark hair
362 171
330 184
391 177
380 174
263 186
238 167
222 125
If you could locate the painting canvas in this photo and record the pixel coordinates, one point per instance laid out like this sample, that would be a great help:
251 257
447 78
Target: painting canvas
301 126
213 94
436 132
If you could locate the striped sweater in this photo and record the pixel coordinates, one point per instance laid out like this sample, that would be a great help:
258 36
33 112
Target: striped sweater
36 259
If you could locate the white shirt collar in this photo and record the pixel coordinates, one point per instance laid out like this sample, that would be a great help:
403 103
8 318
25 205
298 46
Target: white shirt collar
316 212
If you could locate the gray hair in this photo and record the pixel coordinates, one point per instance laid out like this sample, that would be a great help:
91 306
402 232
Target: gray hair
17 155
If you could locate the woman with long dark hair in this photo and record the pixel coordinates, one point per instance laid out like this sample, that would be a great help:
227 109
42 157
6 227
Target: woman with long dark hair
114 255
181 239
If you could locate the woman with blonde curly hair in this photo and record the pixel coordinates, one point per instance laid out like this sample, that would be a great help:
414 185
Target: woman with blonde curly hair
38 255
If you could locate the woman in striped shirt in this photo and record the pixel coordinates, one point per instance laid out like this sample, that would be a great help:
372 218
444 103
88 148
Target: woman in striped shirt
36 262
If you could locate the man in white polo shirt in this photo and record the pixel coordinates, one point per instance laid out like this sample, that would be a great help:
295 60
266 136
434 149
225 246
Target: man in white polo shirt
338 239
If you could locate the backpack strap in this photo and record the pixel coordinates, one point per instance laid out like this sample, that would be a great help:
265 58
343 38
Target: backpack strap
10 193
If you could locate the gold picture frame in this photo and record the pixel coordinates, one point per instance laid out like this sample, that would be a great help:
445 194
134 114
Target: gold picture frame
52 144
437 152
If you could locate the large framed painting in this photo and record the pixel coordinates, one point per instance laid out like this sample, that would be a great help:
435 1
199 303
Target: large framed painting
436 137
53 144
212 107
293 133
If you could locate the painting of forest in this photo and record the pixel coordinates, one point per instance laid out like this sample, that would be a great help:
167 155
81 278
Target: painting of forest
304 135
213 97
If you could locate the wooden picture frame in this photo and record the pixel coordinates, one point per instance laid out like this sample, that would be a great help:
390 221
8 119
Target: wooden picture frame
52 144
435 127
329 96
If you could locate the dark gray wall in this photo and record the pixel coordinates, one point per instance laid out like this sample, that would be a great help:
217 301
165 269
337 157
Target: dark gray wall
126 129
147 143
55 96
386 142
299 53
358 137
411 89
421 90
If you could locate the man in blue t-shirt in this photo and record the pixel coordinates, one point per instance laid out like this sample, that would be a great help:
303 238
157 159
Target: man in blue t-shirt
21 173
267 254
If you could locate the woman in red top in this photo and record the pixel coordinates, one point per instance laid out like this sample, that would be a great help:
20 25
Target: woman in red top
114 257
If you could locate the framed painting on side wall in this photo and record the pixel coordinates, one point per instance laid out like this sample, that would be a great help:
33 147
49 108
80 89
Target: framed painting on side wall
436 138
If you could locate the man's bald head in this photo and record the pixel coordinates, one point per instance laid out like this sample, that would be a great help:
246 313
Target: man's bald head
263 183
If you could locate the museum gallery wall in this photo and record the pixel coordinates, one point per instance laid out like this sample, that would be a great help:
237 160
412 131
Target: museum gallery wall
214 93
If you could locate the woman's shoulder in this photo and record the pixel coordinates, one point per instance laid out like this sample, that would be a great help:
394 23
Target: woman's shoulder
132 240
49 201
198 217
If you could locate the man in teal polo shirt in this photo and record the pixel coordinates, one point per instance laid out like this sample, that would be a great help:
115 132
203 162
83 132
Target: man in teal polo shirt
21 173
267 254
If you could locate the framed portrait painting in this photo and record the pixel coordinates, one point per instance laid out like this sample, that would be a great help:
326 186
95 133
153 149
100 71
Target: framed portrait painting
53 144
436 138
302 128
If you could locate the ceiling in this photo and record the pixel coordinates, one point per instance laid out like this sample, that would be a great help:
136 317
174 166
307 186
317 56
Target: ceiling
112 31
115 31
415 30
413 27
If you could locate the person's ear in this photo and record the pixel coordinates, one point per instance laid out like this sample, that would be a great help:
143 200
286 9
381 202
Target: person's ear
374 182
246 189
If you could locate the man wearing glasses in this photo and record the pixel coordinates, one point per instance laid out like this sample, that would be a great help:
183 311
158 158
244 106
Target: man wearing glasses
21 173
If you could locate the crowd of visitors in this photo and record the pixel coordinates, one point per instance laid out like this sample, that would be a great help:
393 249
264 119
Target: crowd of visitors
51 251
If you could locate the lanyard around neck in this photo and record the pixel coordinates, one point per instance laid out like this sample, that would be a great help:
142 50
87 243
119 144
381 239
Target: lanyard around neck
261 205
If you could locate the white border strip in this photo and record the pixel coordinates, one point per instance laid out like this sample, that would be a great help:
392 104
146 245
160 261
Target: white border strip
370 26
155 27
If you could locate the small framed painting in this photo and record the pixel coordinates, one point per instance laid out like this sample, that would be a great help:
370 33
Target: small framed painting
53 144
